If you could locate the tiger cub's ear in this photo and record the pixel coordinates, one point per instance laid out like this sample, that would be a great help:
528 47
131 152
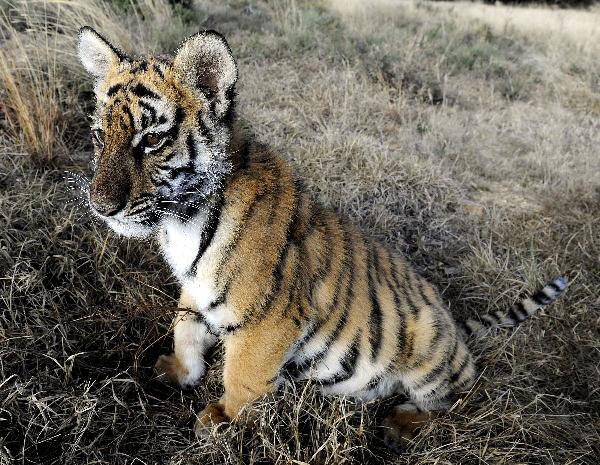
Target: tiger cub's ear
96 54
206 63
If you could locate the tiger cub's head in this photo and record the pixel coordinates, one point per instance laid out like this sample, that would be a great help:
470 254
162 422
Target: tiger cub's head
160 129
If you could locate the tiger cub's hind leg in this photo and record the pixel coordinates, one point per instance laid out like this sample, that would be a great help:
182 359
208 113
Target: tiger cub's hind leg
431 394
186 366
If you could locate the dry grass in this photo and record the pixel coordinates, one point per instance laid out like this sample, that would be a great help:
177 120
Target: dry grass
472 148
580 27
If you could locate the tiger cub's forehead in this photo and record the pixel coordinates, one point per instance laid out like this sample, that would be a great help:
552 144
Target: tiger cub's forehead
140 96
148 78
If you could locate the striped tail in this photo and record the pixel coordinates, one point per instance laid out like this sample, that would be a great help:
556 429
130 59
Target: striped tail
518 313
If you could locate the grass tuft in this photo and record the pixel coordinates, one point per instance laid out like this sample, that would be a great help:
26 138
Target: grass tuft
464 135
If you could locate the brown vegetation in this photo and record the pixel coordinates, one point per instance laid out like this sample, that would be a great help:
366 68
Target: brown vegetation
470 145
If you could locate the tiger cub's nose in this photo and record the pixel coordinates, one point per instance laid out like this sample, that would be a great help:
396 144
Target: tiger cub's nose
108 192
107 207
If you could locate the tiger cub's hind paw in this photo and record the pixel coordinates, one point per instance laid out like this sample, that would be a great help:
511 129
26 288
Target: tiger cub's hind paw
402 425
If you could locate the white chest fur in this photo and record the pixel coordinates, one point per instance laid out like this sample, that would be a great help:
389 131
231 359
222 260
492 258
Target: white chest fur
180 243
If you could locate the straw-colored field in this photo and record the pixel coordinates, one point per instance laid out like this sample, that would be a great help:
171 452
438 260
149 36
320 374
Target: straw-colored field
467 136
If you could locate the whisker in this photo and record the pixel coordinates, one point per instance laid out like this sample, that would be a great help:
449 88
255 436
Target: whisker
182 217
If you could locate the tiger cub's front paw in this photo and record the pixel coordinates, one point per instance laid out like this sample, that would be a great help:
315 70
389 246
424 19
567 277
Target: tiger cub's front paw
170 368
212 415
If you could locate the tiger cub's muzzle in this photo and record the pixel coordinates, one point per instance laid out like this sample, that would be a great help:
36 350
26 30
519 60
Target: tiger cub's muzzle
108 193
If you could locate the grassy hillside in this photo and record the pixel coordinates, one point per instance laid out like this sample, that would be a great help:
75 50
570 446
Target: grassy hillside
466 136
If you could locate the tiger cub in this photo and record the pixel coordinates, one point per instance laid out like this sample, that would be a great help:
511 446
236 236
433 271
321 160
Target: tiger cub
289 287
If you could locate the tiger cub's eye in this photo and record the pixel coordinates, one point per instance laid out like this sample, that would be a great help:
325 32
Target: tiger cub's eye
151 139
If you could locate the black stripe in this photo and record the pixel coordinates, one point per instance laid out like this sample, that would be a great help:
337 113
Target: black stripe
139 66
321 272
275 203
244 155
457 374
204 130
375 317
417 288
291 293
513 314
348 363
142 198
306 227
113 90
434 309
540 298
164 167
173 132
374 382
431 376
158 71
330 341
295 236
136 209
433 343
444 365
130 115
164 183
231 328
467 329
277 275
150 109
556 289
190 209
402 285
199 318
519 307
292 369
140 209
401 334
236 236
140 90
376 265
452 354
282 259
138 156
169 157
329 256
343 318
295 298
347 303
410 345
116 102
219 300
191 147
212 223
345 268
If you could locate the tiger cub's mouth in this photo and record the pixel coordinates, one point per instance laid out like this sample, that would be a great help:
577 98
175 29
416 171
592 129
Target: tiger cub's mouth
141 219
139 228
